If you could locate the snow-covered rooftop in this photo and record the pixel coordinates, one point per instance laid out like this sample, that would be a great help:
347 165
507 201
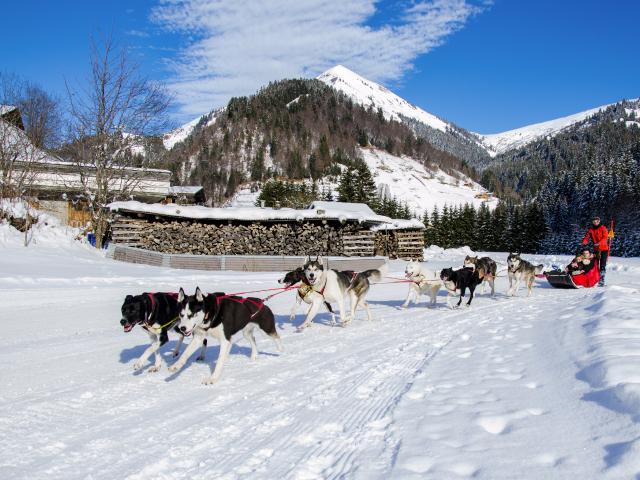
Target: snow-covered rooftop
4 109
328 211
355 208
184 190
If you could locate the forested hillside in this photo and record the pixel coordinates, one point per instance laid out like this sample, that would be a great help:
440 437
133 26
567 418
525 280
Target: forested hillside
592 168
293 129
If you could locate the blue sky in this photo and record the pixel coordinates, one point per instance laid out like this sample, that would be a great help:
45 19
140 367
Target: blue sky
488 66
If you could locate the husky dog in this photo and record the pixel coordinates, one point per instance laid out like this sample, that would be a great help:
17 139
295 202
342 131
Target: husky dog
423 281
359 287
305 292
486 268
221 316
458 281
520 269
333 286
157 313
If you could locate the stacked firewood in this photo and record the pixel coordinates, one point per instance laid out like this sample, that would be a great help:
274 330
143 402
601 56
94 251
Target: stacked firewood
403 244
245 239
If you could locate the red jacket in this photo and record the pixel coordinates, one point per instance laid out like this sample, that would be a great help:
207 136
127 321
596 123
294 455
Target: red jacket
599 236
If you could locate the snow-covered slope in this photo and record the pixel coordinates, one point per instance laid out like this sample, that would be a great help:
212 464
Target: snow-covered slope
366 92
422 189
180 134
501 142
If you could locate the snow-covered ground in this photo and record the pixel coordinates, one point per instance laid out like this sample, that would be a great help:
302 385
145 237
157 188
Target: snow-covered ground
527 388
422 189
406 179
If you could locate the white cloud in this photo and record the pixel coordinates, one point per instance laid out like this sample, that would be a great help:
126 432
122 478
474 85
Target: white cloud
234 47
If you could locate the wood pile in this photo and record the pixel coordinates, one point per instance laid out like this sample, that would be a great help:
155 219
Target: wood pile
127 230
237 239
407 244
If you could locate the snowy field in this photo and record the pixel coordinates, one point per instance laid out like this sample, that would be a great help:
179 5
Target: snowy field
527 388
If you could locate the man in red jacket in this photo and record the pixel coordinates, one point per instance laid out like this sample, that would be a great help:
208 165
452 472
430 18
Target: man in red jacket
599 235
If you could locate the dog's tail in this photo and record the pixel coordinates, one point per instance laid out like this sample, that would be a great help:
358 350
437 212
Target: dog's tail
539 269
376 274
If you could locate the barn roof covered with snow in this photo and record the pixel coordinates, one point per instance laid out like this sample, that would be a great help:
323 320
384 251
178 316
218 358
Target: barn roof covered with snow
337 211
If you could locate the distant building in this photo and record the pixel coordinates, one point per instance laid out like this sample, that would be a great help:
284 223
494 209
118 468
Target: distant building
57 186
186 195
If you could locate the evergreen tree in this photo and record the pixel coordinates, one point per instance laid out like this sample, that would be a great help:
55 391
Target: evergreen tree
483 228
346 188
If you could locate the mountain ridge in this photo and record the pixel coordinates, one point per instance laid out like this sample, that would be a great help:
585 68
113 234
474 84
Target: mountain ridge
438 131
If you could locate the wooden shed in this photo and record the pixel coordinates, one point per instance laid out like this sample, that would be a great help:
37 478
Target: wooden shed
325 228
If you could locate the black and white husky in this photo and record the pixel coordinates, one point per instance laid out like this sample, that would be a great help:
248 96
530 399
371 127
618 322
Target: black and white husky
487 269
334 286
221 316
423 281
519 270
157 313
458 281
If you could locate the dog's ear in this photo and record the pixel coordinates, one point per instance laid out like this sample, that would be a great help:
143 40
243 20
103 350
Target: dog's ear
199 295
128 298
306 260
181 295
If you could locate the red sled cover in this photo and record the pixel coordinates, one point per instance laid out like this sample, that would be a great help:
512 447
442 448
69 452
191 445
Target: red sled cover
588 279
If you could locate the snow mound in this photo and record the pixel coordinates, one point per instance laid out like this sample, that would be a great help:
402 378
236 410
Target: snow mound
611 366
46 232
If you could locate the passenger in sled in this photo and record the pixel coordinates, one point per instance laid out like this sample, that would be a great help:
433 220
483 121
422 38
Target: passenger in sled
583 271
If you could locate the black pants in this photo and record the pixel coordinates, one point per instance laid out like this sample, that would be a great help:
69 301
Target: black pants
603 256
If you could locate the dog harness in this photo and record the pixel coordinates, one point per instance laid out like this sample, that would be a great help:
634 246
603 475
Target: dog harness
157 330
304 290
259 303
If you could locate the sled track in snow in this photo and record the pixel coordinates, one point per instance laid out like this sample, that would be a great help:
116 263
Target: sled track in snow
334 423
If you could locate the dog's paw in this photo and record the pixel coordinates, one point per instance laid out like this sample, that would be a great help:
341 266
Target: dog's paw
404 305
174 368
175 354
138 365
200 358
154 369
209 380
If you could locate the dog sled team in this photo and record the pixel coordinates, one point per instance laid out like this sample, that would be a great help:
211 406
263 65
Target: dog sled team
221 315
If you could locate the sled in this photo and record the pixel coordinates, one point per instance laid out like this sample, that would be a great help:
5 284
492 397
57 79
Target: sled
560 279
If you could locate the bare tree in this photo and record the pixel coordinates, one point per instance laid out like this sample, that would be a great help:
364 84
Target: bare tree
40 110
18 165
111 115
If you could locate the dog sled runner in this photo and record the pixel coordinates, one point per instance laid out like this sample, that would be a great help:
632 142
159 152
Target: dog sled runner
560 279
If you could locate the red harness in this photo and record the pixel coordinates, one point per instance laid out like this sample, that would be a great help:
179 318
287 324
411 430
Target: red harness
259 304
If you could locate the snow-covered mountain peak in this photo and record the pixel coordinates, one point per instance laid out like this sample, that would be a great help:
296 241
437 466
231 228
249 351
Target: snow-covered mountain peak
170 139
367 92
